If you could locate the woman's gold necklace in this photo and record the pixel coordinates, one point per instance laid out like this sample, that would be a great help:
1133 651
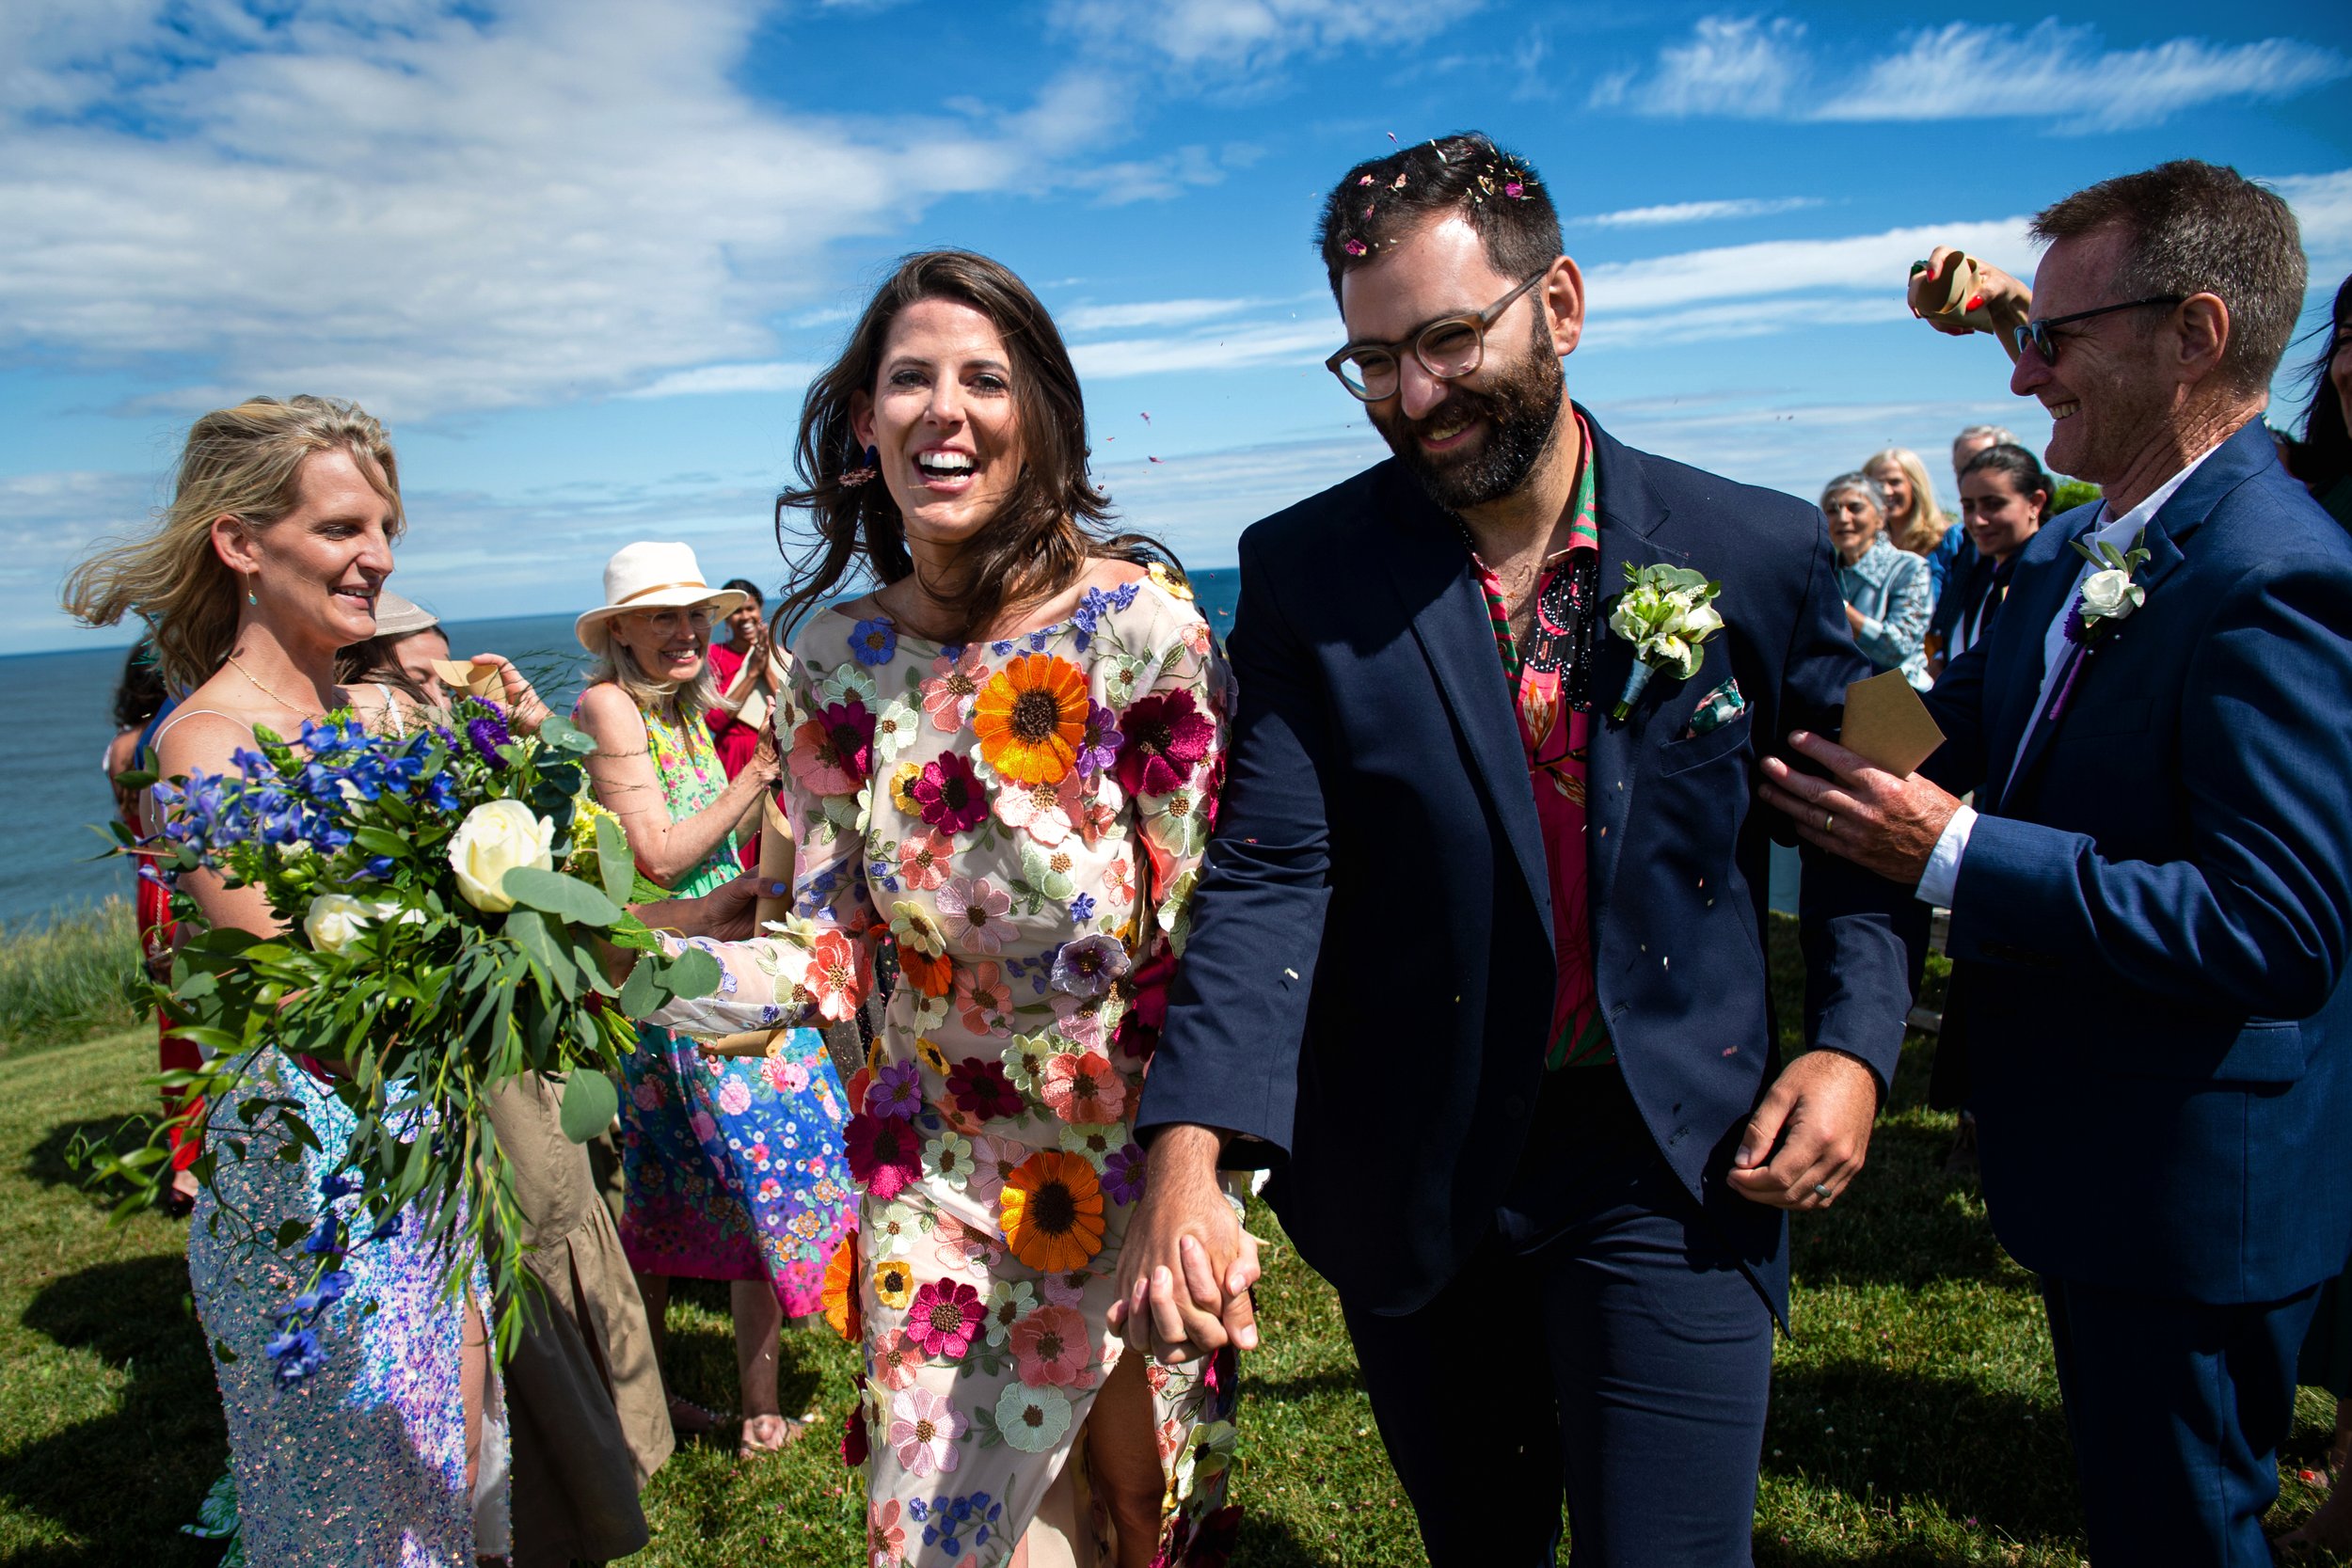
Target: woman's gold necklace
255 681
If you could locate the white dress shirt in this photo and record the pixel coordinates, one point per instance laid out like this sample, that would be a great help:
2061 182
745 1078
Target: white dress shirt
1937 882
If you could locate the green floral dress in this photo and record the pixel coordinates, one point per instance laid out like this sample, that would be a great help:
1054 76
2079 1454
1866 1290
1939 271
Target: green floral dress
1002 839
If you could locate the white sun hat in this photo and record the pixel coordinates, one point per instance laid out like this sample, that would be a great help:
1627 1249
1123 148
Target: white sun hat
648 576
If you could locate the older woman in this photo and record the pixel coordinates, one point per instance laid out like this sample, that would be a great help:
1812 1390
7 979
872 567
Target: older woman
731 1167
1002 772
1914 520
272 556
1888 593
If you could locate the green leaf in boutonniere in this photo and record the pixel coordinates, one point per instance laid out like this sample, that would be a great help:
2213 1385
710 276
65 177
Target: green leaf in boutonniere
1665 612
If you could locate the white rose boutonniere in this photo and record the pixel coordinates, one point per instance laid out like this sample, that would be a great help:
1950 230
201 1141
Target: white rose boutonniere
2108 596
496 837
1665 612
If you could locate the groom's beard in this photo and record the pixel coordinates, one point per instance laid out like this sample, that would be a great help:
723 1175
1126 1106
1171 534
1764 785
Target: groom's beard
1522 411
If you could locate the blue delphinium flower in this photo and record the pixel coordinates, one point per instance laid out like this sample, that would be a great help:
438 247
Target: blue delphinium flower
327 1236
332 1186
296 1353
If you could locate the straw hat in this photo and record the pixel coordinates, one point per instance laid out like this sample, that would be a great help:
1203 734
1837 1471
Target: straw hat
399 617
652 577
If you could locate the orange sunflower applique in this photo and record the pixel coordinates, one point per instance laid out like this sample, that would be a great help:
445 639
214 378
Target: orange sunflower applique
842 1307
1030 718
1052 1211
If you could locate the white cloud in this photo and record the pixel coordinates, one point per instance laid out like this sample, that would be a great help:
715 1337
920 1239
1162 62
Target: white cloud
1697 212
2323 209
1223 42
1156 313
1236 348
1729 66
774 375
1876 264
1746 67
429 211
1962 71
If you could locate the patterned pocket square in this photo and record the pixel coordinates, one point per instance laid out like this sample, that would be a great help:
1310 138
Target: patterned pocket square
1716 709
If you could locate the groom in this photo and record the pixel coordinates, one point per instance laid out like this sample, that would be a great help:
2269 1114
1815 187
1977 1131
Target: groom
1476 961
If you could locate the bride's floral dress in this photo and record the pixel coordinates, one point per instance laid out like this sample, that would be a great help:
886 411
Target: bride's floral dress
1001 839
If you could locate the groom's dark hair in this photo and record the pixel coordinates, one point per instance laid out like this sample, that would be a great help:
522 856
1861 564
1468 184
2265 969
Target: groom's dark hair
1495 192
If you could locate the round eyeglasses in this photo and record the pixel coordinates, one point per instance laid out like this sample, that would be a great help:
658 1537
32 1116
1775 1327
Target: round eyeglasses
1448 348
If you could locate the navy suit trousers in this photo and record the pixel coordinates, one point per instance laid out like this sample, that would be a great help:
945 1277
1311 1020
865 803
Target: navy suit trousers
2176 1410
1603 1343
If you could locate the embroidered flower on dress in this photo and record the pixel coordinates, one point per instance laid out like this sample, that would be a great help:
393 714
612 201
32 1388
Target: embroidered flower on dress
1051 1212
948 795
972 908
896 1359
950 1157
1030 717
883 1153
1008 1302
873 641
840 1291
1166 736
944 1317
1051 1348
896 1091
982 998
894 1282
1080 1086
1091 965
1032 1420
979 1088
1124 1173
925 860
924 1429
833 752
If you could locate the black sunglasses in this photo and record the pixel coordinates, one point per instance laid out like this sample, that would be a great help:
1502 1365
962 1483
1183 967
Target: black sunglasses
2036 334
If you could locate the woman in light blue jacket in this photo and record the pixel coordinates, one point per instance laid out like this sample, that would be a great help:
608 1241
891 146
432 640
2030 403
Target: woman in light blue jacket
1890 593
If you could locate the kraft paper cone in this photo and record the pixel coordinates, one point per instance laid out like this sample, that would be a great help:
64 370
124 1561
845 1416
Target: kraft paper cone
775 867
475 680
1888 723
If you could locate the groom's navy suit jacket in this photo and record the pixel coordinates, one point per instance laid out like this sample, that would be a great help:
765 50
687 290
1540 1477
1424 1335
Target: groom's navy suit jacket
1368 984
2152 917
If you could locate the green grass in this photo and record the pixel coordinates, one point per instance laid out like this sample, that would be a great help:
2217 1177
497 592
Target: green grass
1914 1420
62 978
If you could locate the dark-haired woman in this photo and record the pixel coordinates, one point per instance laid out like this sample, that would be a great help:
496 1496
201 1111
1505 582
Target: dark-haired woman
1002 769
2321 458
2004 501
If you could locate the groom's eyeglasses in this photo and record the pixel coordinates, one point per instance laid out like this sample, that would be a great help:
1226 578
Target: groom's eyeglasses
1448 348
2035 334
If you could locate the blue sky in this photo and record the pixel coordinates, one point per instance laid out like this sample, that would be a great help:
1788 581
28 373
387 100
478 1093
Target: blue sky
580 256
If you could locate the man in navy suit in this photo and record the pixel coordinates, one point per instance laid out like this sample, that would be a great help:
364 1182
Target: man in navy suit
1478 965
2152 897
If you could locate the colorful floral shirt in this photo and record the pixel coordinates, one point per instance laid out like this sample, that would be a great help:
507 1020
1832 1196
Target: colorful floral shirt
1002 839
1549 679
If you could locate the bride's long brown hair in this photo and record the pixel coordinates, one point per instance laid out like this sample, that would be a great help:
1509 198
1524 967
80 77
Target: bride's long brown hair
1053 521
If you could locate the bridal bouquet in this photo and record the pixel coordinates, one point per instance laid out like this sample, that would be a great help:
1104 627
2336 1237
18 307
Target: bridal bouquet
440 894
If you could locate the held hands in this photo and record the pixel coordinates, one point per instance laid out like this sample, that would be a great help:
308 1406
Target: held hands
725 913
1861 813
1186 1270
1807 1137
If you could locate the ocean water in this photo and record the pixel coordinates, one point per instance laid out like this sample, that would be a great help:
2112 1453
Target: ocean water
55 711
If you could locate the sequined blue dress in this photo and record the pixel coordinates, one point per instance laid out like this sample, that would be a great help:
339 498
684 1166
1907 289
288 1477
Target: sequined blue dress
364 1460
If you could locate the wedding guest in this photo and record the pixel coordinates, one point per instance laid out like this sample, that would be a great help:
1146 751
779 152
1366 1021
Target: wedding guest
1552 1202
584 1402
408 638
731 1166
1888 599
270 558
1915 523
2321 458
2152 895
2004 501
1004 762
1974 440
141 706
747 671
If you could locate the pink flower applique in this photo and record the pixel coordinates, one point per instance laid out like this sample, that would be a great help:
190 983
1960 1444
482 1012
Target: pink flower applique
945 1316
972 909
923 1429
1052 1348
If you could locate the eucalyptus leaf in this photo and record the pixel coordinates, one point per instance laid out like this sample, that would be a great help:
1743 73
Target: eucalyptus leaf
641 993
528 928
568 898
615 861
693 972
590 1103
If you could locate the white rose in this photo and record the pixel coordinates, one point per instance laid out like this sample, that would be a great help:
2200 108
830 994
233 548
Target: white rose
335 921
1700 622
393 910
496 837
2111 596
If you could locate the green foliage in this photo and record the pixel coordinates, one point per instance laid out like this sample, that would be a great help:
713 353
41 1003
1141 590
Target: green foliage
68 977
2072 493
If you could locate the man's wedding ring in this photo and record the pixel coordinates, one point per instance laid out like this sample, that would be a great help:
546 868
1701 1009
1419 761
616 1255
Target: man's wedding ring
1821 1190
1829 822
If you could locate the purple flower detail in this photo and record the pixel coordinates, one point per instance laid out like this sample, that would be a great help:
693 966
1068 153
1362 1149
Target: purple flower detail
1124 1173
296 1353
896 1091
1091 965
487 735
1098 748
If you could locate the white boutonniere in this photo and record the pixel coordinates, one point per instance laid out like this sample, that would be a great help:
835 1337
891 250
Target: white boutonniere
1665 612
2107 595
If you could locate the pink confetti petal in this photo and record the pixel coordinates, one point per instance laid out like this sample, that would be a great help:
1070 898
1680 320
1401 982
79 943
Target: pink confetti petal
1154 459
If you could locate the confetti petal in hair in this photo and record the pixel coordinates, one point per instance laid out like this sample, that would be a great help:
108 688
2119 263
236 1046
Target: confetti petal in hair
1399 183
1365 181
1354 248
1514 190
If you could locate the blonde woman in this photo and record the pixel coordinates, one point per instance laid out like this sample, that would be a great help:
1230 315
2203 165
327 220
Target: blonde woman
732 1168
271 557
1914 520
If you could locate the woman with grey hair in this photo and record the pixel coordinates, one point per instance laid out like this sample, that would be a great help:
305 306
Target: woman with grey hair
732 1168
1889 592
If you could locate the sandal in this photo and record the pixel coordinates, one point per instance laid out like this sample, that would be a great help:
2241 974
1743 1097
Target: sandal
769 1435
689 1419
